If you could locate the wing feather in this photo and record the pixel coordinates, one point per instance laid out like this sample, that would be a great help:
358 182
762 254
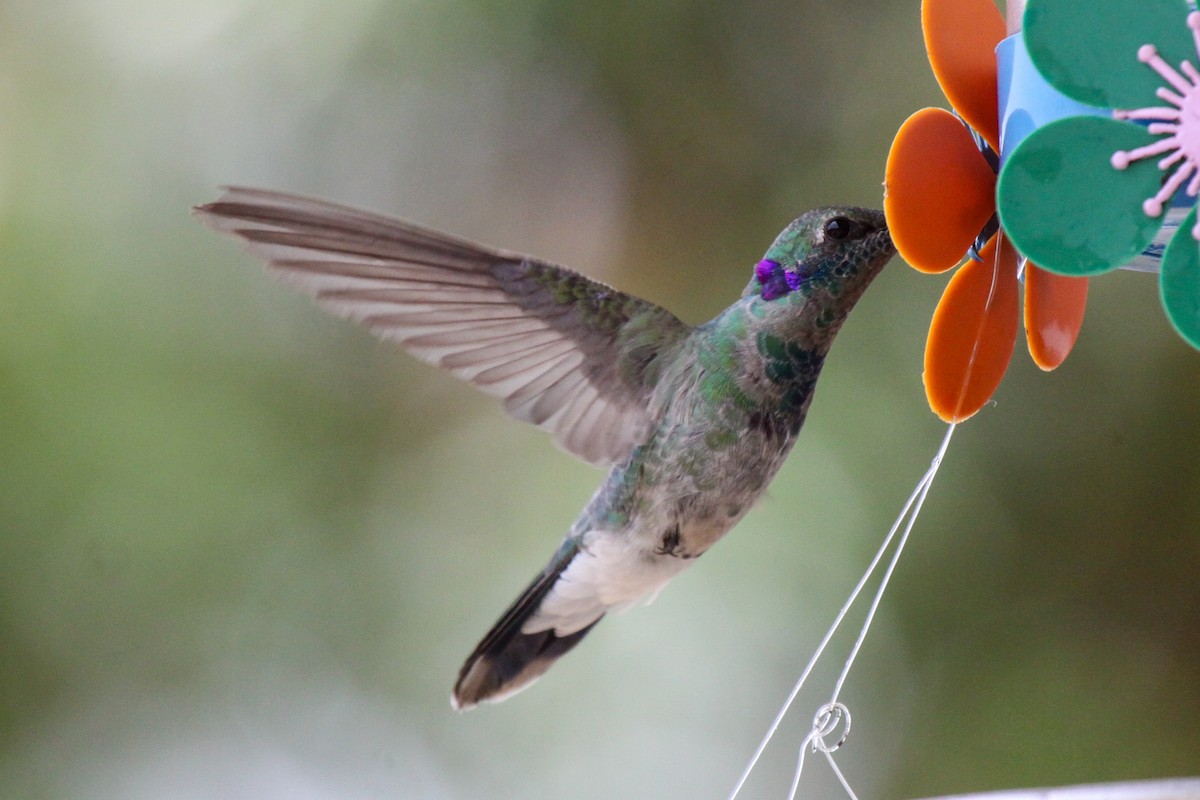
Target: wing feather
514 370
522 401
569 354
585 413
518 367
515 331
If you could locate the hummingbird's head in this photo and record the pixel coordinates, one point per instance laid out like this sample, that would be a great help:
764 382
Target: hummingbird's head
834 251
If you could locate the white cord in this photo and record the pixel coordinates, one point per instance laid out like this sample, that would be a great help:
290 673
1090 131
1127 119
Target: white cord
833 711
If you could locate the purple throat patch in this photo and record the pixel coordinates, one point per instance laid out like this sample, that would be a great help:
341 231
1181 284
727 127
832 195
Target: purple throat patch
776 281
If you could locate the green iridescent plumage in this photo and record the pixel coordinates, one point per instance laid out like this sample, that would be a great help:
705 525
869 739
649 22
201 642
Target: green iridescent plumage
694 421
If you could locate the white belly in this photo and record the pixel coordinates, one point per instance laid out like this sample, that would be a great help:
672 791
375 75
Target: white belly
611 572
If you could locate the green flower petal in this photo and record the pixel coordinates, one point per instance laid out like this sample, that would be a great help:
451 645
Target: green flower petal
1088 51
1179 283
1065 206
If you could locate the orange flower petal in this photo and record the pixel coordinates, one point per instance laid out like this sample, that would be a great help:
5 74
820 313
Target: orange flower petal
939 190
1054 306
973 332
961 38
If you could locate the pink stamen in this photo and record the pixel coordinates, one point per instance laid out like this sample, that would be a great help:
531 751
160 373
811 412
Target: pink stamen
1179 127
1148 54
1194 186
1154 206
1161 112
1123 158
1166 94
1171 160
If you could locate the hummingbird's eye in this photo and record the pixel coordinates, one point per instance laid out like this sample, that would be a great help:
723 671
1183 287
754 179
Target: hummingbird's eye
837 228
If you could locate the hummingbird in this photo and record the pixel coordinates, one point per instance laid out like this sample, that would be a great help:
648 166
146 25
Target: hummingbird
692 422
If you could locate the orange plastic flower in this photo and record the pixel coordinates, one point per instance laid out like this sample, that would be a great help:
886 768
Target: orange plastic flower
940 200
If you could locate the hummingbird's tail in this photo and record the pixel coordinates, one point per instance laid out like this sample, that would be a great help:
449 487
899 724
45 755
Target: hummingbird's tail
509 659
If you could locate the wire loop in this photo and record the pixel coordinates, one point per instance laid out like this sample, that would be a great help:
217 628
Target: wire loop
826 722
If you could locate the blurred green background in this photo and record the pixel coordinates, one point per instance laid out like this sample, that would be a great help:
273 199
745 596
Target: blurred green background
245 547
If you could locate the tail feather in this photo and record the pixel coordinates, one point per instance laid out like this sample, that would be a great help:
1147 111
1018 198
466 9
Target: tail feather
508 660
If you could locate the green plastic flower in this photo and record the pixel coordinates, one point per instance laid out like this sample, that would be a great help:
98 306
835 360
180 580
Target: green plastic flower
1085 195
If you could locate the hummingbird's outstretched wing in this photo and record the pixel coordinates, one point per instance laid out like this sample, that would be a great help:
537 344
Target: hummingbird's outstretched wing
568 354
